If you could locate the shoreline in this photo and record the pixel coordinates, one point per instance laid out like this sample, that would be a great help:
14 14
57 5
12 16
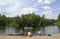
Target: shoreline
57 36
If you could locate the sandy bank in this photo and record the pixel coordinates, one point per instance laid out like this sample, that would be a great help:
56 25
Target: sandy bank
34 37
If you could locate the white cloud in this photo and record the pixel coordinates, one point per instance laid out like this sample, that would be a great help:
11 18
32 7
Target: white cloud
27 10
3 3
47 12
49 1
46 7
39 1
45 1
12 6
52 16
6 2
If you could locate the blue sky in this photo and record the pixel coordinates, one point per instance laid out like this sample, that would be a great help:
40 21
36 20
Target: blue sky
51 8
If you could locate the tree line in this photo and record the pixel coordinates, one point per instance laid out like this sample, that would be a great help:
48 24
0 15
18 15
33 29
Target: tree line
27 20
58 21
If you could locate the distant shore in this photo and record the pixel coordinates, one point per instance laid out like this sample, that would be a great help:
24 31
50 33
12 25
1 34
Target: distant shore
57 36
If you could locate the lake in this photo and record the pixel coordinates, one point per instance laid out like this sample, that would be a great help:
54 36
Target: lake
48 30
45 30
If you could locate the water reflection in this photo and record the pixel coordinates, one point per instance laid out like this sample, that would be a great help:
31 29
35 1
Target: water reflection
2 31
46 30
51 30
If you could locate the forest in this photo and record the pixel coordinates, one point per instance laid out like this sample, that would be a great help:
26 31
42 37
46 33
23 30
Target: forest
27 20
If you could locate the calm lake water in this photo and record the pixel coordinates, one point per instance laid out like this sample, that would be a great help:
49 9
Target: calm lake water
45 30
48 30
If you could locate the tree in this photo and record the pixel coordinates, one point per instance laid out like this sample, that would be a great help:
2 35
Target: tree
27 20
3 22
58 21
14 25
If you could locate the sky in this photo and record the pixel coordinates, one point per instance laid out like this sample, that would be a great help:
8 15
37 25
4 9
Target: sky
50 8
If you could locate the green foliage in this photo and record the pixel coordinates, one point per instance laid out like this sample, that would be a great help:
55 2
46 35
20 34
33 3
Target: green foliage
30 20
58 21
27 20
3 22
14 25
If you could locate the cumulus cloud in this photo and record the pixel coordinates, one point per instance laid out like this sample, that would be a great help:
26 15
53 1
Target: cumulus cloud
49 1
39 1
10 7
46 1
6 2
3 3
52 16
13 7
28 10
47 12
46 7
